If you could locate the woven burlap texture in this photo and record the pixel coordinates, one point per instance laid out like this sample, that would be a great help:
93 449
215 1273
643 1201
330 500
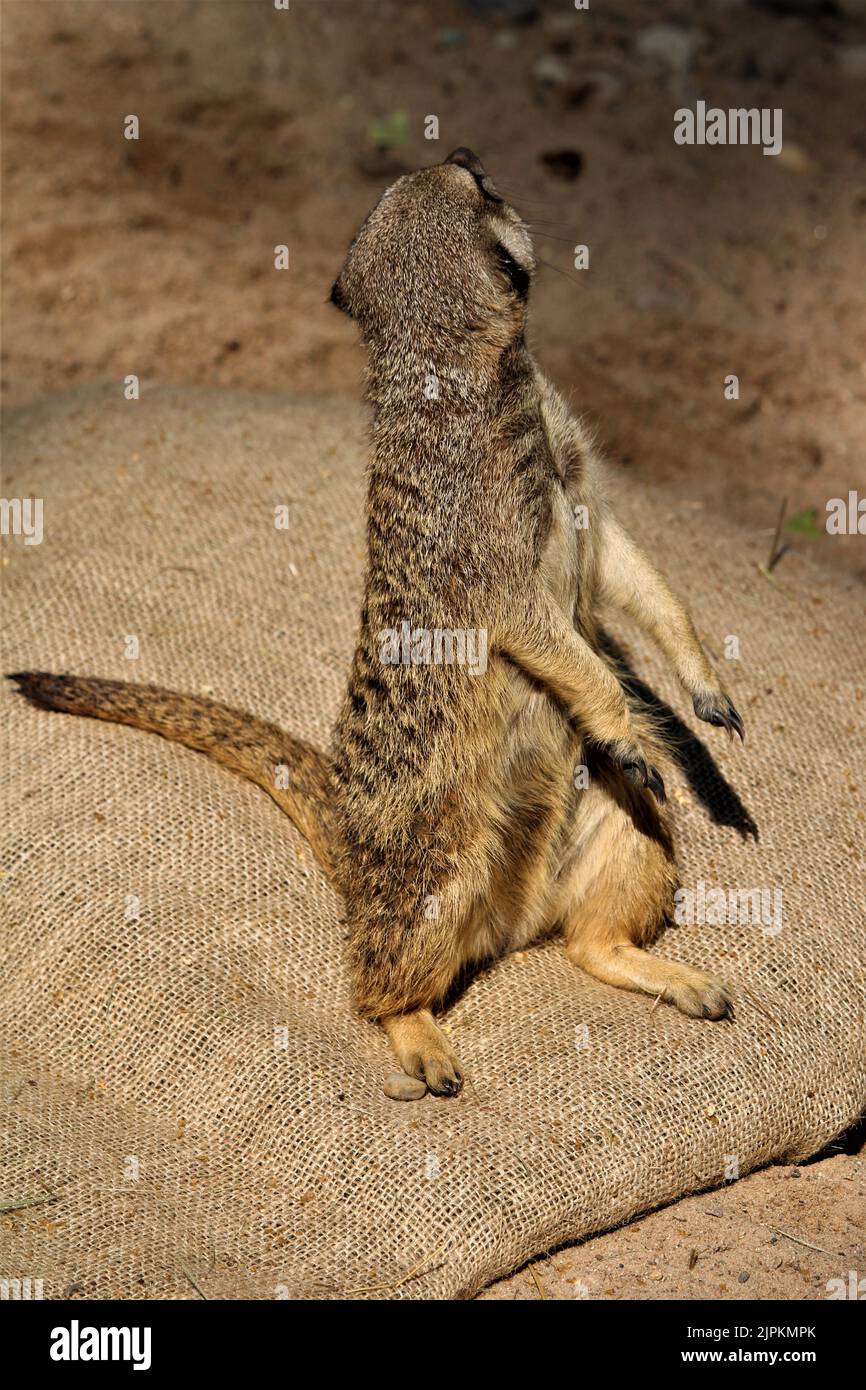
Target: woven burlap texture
182 1070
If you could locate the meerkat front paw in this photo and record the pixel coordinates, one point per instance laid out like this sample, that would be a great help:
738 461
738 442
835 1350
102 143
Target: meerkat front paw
442 1073
630 761
718 708
423 1051
642 774
437 1067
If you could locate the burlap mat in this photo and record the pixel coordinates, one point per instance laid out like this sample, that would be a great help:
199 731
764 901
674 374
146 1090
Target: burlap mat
182 1071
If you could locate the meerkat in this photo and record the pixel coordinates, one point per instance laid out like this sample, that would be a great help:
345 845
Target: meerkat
447 813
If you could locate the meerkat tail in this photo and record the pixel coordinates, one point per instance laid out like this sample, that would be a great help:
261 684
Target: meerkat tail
297 776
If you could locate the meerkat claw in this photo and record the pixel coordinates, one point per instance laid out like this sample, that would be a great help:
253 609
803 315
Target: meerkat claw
721 712
656 786
641 775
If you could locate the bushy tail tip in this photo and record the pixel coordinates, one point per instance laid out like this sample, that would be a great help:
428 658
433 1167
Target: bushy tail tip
42 688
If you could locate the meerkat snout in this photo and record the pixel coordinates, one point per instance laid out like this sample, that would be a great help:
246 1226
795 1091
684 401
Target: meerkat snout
441 252
468 160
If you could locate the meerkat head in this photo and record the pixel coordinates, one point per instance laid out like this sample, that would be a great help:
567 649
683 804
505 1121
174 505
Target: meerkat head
441 254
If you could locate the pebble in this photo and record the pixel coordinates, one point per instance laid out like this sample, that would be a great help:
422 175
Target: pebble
743 1276
399 1086
550 71
853 59
666 45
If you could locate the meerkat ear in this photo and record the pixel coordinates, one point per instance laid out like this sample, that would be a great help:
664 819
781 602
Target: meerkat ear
338 296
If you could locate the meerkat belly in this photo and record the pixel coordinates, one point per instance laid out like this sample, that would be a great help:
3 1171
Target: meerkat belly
531 789
536 801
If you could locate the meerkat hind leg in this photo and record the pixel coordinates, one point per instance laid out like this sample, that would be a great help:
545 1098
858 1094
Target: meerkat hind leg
622 887
612 958
423 1051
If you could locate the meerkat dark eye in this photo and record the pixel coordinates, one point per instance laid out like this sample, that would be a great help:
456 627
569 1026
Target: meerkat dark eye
483 183
515 272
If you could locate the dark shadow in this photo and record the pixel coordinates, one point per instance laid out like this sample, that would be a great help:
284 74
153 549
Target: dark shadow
695 760
850 1141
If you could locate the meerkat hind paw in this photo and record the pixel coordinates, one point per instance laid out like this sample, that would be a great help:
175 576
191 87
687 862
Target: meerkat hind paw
700 997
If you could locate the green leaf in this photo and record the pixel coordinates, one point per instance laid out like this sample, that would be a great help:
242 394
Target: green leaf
804 523
390 132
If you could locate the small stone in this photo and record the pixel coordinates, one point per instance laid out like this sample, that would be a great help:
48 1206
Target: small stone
559 26
399 1086
550 71
853 59
743 1276
666 46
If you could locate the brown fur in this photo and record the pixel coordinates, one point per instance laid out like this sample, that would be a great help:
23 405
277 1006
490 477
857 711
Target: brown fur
448 817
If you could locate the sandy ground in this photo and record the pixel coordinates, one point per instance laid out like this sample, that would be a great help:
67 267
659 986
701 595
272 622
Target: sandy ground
156 257
783 1233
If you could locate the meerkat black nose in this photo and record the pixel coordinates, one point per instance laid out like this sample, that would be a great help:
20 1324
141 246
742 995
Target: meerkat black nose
467 159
